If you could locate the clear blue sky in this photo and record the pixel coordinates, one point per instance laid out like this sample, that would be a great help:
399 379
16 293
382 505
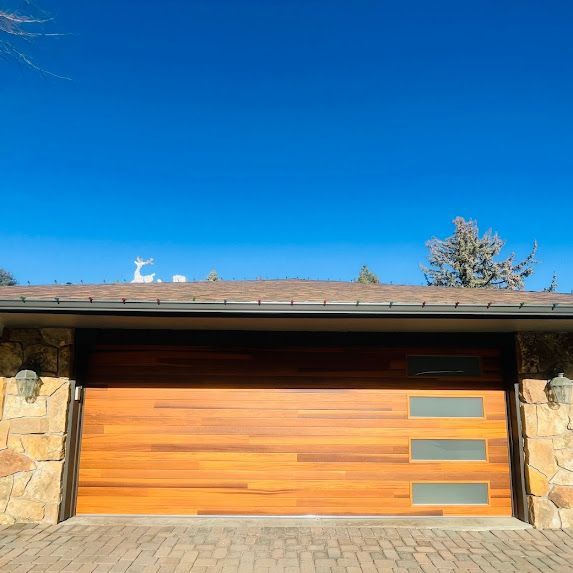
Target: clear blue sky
286 138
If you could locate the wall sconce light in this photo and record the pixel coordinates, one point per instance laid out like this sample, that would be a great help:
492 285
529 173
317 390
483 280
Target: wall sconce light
561 390
28 383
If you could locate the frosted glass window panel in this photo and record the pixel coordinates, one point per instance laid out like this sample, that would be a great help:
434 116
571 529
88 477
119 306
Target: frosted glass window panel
446 407
438 366
453 450
450 493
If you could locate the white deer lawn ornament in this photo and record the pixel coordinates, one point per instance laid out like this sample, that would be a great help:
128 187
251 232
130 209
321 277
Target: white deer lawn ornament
137 276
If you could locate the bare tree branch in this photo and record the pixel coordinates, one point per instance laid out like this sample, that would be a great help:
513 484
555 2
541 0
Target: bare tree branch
17 28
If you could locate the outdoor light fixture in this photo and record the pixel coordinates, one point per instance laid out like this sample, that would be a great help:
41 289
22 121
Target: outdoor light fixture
561 390
28 383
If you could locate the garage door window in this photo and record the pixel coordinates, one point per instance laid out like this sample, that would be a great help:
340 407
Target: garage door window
450 493
442 407
448 450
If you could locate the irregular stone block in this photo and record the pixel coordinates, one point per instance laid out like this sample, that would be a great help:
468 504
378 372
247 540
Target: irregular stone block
539 454
2 393
564 441
52 467
543 514
44 486
17 407
44 447
6 519
11 357
20 482
15 444
50 385
51 513
57 336
26 336
537 483
25 509
6 484
42 358
4 425
11 386
562 496
58 409
565 459
65 361
12 462
551 420
533 391
566 516
29 426
529 419
563 477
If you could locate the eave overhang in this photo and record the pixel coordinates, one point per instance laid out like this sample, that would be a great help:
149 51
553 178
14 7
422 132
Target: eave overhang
280 308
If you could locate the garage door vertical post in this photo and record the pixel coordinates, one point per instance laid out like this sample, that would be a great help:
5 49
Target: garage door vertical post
73 440
516 454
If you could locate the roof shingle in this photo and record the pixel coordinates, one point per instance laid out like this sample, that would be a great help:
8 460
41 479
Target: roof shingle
280 291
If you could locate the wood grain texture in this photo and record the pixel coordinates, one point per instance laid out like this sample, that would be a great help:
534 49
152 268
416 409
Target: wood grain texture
322 431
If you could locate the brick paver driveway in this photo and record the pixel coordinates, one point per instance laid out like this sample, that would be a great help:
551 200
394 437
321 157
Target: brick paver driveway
163 549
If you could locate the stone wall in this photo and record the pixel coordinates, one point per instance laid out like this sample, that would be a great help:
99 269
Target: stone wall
547 428
33 434
47 351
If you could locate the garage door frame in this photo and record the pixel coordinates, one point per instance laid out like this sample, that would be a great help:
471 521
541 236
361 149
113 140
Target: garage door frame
86 339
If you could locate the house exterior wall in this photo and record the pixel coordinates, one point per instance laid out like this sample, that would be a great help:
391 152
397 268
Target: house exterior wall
547 428
33 434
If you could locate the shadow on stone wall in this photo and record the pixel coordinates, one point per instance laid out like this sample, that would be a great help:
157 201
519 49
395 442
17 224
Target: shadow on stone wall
543 355
47 351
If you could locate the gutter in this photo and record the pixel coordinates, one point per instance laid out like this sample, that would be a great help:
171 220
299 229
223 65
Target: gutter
261 308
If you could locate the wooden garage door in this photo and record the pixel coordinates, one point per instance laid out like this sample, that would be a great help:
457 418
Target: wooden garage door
196 448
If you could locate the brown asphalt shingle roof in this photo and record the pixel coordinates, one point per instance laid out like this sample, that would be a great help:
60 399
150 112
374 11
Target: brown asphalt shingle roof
280 291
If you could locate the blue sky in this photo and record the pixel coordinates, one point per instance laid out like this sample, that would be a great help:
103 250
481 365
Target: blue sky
286 138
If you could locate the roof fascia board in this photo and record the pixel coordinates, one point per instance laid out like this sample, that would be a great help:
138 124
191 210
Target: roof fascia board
284 308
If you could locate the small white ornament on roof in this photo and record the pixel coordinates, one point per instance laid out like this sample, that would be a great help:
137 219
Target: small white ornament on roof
179 279
137 276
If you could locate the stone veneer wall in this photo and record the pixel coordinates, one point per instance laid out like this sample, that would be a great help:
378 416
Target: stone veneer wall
33 435
547 428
